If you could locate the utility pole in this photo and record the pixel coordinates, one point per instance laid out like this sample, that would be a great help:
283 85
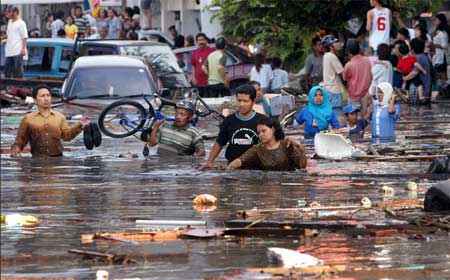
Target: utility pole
124 5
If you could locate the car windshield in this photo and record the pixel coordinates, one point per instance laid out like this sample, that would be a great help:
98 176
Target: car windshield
161 58
110 82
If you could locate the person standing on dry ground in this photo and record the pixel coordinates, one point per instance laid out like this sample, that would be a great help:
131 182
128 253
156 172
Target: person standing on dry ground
16 43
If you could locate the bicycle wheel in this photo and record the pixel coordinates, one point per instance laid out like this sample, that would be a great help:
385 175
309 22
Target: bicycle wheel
122 118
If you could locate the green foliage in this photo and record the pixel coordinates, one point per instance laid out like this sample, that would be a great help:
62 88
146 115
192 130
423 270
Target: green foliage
287 26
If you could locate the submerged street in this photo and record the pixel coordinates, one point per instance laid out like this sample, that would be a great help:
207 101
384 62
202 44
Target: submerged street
90 191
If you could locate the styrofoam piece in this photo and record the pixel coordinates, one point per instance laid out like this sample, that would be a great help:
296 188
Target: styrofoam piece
333 146
290 258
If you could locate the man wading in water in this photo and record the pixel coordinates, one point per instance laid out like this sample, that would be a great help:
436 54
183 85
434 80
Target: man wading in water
239 129
44 128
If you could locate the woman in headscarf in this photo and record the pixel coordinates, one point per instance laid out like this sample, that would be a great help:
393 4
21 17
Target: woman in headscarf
385 113
318 115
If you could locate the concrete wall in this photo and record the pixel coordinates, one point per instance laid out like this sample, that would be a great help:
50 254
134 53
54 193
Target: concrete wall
193 17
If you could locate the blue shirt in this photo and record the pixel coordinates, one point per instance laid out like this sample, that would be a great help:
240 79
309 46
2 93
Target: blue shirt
356 132
280 78
114 26
383 123
306 117
424 61
361 124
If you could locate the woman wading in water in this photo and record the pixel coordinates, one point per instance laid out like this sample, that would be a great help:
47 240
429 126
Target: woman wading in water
272 152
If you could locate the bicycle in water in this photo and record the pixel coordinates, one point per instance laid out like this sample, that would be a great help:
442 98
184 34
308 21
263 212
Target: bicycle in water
127 117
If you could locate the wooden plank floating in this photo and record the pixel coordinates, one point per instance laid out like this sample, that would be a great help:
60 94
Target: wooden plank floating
265 232
320 224
110 258
400 203
395 204
129 237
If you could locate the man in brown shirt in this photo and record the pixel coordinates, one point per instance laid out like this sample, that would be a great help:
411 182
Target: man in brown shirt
44 128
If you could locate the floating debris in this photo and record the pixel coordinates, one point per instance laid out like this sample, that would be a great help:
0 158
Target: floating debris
204 199
290 258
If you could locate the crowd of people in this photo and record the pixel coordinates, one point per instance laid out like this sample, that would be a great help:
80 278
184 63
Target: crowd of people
371 76
373 73
107 24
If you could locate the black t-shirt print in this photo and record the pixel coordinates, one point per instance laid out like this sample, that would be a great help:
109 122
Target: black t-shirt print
240 134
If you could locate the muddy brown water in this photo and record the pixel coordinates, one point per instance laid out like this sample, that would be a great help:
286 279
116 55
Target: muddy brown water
88 191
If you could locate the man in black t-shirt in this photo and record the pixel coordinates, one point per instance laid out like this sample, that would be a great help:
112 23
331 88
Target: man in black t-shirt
237 130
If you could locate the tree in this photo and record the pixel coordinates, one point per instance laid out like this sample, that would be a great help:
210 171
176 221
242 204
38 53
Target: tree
287 26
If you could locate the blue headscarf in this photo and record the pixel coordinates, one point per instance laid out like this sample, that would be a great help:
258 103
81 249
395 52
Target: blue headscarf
322 113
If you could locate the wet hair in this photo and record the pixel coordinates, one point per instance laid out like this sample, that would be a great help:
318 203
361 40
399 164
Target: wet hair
403 48
315 39
404 32
384 51
37 88
247 89
276 61
172 27
201 34
417 45
259 61
136 10
279 133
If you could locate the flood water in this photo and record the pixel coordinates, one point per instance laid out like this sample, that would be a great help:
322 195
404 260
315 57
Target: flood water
89 191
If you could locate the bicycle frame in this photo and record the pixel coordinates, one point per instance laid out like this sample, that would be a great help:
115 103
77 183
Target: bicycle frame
144 119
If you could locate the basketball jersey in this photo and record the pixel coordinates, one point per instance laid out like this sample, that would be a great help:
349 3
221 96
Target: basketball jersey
381 27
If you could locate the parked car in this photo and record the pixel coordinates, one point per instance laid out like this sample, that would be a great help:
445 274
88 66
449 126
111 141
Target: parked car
47 57
159 56
156 36
238 63
96 81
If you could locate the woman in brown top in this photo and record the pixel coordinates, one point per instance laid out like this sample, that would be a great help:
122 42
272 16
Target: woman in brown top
273 152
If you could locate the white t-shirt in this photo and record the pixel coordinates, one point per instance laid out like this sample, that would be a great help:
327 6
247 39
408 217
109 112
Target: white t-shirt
412 34
16 32
56 26
381 27
381 73
332 67
441 38
264 76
